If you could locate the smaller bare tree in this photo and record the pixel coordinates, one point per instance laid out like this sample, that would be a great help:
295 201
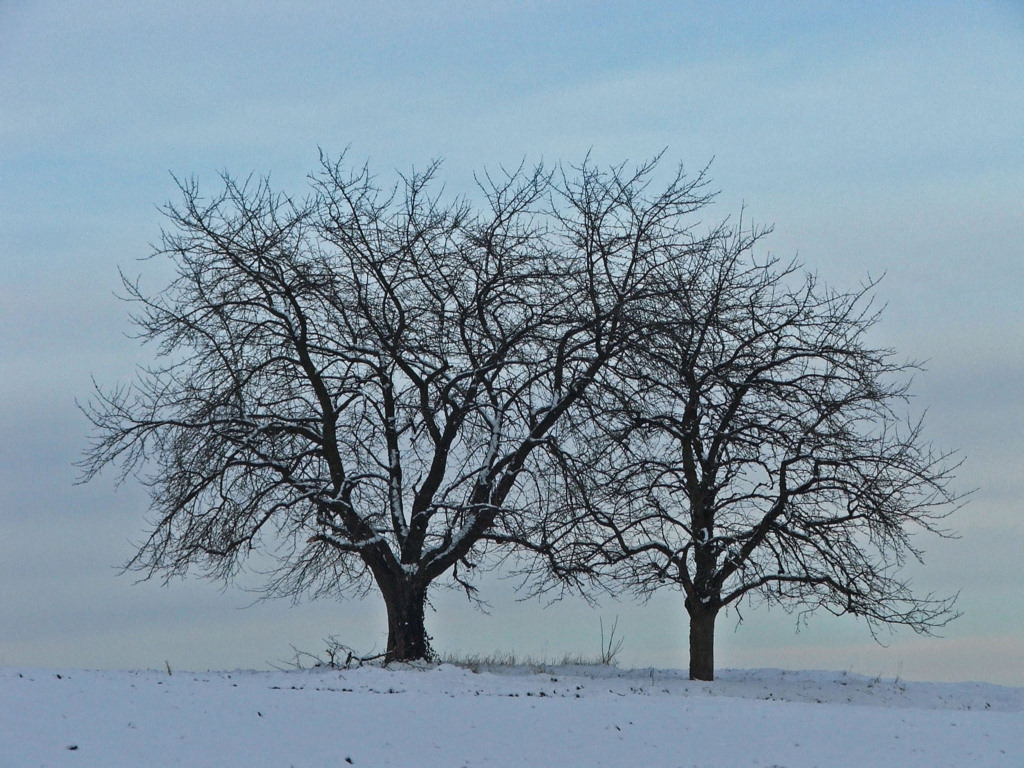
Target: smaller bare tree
755 448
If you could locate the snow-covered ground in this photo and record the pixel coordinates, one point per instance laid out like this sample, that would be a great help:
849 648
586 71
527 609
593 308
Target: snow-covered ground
453 717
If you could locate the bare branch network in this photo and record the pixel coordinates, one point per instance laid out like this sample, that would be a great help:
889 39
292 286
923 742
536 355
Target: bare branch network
381 387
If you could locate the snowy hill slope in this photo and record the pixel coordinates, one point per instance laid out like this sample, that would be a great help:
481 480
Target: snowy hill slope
450 716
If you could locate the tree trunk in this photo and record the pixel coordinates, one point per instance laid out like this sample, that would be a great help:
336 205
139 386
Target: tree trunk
407 632
702 640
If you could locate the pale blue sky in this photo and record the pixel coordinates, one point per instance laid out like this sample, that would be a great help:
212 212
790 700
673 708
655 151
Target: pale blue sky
877 137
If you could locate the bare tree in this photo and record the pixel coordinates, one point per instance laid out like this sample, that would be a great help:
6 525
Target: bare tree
369 386
756 447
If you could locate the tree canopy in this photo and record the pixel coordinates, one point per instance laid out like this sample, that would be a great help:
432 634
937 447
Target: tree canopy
386 387
366 384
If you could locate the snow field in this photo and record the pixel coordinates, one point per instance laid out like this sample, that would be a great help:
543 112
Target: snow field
449 716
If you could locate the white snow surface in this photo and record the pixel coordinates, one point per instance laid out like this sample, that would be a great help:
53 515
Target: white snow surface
520 716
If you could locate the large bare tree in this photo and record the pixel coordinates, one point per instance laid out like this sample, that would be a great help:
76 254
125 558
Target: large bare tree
756 447
370 385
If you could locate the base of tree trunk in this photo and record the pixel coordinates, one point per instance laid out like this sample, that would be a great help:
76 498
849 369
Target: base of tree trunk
407 633
702 643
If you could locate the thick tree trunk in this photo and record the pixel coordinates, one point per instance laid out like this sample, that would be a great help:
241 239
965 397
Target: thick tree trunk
407 632
702 640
